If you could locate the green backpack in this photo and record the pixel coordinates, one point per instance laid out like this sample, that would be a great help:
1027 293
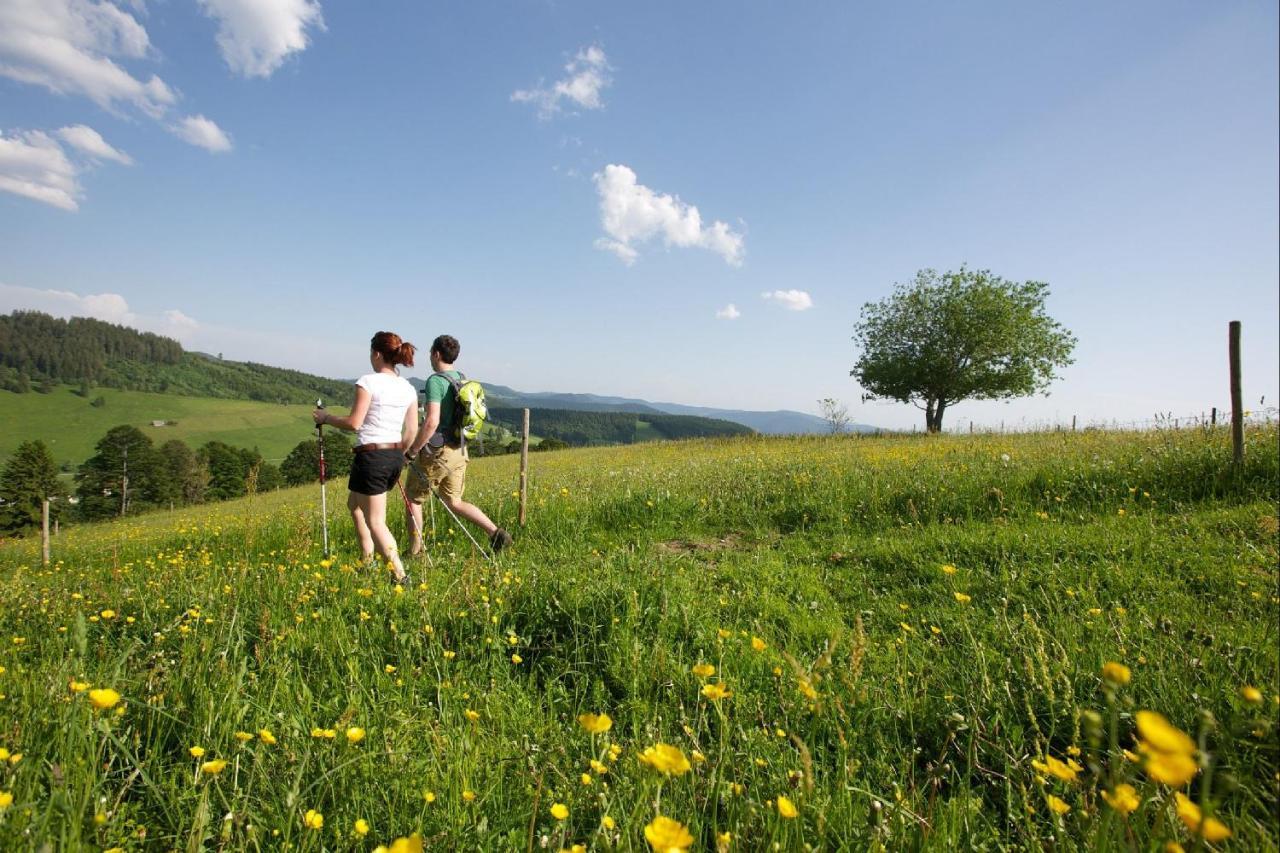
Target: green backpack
469 408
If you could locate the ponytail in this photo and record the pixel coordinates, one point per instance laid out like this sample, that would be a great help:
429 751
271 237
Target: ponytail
392 349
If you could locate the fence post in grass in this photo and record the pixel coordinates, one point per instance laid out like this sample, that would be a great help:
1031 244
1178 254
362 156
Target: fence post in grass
1073 423
524 467
1237 406
44 531
1213 416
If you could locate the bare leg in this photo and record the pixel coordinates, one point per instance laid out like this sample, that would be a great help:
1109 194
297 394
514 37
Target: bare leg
357 507
416 510
382 538
471 513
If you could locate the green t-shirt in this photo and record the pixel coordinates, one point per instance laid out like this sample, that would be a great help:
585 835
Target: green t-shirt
440 391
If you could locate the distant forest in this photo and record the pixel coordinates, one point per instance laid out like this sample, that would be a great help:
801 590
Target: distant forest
38 351
582 429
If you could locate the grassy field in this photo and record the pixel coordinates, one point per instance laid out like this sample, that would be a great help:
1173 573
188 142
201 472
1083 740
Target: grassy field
822 643
71 427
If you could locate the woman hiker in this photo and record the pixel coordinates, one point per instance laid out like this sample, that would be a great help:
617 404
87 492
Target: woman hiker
384 419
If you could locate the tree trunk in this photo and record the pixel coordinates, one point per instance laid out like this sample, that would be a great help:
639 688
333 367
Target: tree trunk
937 416
933 410
928 415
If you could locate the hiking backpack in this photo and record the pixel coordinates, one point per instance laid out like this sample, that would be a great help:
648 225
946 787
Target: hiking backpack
469 408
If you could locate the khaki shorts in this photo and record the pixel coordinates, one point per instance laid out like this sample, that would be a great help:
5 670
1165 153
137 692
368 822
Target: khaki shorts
444 470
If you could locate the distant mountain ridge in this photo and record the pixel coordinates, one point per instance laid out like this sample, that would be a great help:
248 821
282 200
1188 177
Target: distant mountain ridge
778 422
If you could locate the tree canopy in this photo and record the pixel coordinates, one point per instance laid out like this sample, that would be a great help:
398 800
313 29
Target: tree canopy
965 335
29 477
100 482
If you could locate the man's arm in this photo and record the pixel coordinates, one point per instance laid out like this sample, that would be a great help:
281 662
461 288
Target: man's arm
429 427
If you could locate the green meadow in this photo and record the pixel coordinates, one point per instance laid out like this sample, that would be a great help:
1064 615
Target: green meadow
826 643
70 426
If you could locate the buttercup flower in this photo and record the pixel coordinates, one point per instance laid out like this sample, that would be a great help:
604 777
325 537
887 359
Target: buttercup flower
786 808
1124 799
196 751
716 692
313 819
355 734
595 723
213 768
104 698
1116 673
666 759
1056 805
704 670
559 811
667 836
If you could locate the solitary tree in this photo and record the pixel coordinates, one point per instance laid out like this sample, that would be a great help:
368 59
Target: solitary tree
29 477
835 413
966 335
123 475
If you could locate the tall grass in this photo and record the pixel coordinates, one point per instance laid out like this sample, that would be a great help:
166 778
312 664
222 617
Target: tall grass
892 702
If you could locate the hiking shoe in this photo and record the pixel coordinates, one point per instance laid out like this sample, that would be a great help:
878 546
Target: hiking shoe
499 540
404 581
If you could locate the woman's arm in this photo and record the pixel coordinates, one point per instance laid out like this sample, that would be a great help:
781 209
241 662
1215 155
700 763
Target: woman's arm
428 429
351 422
410 429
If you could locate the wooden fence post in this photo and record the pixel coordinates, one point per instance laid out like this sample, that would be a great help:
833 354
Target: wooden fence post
1073 423
1213 416
1237 405
44 531
524 468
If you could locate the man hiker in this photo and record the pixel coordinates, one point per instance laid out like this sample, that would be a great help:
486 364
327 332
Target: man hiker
438 456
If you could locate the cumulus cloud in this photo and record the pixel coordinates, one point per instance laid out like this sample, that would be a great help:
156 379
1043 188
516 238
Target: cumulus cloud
588 76
33 164
72 46
257 36
202 132
792 300
90 142
632 213
728 312
109 307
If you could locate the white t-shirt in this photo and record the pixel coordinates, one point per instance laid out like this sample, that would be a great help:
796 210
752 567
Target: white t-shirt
391 397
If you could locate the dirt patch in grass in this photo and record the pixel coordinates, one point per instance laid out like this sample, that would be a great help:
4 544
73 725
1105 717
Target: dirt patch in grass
728 542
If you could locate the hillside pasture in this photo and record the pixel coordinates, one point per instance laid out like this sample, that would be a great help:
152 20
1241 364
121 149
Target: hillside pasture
841 642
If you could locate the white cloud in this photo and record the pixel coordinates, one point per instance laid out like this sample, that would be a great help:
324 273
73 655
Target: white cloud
89 141
728 312
792 300
109 307
632 213
70 47
33 164
202 132
256 36
588 76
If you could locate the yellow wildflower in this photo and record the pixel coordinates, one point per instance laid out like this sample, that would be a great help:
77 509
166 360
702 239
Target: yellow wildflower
78 686
716 692
471 715
704 670
469 796
1051 766
266 736
758 644
608 822
104 698
243 737
411 844
962 598
1056 805
362 827
1115 673
666 759
1124 799
786 808
6 799
355 734
196 751
1162 735
1251 694
559 811
595 723
667 836
213 768
313 819
1210 829
949 569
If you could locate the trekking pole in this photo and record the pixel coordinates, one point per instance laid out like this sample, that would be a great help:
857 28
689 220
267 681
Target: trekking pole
461 526
324 504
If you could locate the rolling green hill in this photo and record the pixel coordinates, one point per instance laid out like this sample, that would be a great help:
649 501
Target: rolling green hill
71 426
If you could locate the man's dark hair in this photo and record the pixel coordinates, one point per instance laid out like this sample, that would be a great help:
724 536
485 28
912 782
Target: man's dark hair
447 347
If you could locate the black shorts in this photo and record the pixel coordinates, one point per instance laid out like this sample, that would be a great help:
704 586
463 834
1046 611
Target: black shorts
375 472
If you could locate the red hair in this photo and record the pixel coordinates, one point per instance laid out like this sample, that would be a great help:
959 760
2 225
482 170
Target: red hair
393 350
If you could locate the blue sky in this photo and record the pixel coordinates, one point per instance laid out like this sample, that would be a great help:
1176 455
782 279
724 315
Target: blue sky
304 174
